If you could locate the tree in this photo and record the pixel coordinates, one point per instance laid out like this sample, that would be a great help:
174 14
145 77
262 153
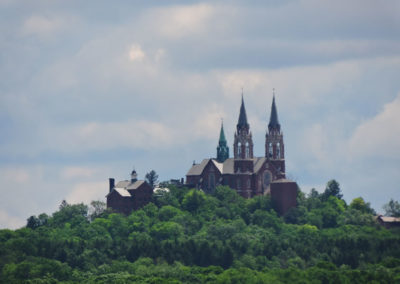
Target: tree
332 189
392 208
152 178
193 200
360 205
32 222
97 207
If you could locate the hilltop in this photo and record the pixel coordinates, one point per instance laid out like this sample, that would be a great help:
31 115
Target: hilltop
187 236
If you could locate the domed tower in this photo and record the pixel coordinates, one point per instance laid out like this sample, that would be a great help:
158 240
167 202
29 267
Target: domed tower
274 147
243 142
222 149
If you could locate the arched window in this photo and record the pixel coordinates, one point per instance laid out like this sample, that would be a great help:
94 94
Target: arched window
278 150
270 150
239 151
211 180
267 179
247 150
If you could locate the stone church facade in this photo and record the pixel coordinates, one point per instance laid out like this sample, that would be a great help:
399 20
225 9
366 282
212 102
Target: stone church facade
247 174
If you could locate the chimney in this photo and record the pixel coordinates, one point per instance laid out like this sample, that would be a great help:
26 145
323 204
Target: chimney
112 183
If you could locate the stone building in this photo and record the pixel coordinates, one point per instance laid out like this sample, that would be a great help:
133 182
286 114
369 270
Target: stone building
247 174
128 195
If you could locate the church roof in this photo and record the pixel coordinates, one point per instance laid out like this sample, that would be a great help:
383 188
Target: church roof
242 122
227 167
273 120
197 169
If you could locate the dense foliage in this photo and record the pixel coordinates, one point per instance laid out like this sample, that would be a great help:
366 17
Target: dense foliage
188 236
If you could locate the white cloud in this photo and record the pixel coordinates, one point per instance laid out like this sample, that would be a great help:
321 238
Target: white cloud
41 25
180 21
207 125
77 172
10 222
87 192
134 134
15 175
136 53
378 137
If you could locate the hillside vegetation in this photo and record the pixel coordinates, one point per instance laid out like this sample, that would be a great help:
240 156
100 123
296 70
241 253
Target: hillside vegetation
190 237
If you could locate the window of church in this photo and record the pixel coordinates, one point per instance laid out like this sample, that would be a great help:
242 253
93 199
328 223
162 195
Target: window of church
239 149
267 179
248 183
211 180
238 184
247 150
270 150
278 150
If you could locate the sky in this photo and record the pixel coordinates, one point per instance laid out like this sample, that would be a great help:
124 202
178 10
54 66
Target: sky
92 89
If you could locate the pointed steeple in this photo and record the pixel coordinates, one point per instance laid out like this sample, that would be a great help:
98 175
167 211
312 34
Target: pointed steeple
222 149
242 122
273 124
222 139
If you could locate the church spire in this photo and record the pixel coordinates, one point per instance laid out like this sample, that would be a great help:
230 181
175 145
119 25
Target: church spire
274 148
222 139
273 124
242 122
243 143
222 149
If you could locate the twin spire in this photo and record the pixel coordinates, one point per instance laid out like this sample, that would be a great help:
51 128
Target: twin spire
273 126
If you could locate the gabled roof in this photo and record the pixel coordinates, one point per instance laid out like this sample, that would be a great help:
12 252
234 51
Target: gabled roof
123 184
218 165
389 219
227 167
197 169
123 192
135 185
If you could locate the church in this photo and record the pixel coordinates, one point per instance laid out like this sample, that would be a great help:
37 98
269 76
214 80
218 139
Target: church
248 175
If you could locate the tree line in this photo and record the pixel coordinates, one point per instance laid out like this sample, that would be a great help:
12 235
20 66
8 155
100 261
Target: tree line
186 236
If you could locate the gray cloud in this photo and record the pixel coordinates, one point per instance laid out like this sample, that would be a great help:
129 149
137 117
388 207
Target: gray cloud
88 91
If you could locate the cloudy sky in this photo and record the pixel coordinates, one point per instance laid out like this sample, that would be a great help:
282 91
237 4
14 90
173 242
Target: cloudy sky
90 89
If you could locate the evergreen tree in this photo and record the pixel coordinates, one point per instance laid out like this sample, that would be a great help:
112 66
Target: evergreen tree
152 178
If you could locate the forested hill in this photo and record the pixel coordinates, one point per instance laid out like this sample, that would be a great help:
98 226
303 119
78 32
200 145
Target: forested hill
186 236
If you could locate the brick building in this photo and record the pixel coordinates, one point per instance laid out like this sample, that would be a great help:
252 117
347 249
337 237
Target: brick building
247 174
128 195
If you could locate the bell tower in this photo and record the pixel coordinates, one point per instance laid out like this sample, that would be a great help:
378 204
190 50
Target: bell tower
274 147
243 142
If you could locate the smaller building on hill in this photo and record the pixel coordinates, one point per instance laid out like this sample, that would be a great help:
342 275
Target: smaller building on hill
388 222
128 195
